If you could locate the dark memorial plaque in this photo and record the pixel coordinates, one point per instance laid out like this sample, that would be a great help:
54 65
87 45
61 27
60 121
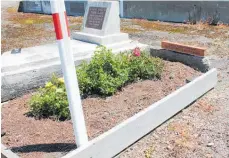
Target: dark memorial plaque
95 17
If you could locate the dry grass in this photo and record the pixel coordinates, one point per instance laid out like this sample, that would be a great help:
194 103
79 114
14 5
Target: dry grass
156 25
75 20
75 27
181 129
130 30
26 29
201 28
75 23
11 10
149 152
204 106
184 138
29 18
21 37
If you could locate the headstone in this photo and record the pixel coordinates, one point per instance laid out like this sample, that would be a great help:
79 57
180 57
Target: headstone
101 24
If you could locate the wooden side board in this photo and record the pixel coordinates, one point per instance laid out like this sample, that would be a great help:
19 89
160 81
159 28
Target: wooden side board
123 135
186 49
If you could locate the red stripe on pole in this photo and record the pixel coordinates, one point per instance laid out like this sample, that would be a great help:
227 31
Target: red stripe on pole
57 26
66 19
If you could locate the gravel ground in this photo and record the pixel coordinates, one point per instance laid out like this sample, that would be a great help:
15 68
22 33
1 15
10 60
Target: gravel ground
201 130
217 46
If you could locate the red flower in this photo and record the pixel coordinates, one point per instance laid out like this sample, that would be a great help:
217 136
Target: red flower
137 52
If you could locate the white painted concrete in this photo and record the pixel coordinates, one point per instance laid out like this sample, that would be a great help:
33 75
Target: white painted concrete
7 153
121 136
102 40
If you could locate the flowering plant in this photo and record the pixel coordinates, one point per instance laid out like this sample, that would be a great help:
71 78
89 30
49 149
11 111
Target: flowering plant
137 52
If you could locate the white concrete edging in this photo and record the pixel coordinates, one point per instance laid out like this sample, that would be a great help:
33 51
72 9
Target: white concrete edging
123 135
7 153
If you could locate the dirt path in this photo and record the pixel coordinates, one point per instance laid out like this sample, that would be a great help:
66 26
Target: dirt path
201 130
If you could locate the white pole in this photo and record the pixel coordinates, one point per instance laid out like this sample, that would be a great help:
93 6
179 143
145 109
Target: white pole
68 68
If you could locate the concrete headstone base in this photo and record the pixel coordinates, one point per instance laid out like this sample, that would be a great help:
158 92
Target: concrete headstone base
101 40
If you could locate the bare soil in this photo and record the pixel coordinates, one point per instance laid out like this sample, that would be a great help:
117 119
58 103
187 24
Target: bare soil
199 131
32 138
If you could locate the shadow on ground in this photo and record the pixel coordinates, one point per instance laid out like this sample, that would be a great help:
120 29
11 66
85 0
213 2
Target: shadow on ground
57 147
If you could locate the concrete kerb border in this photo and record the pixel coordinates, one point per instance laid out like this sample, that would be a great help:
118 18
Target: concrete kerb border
118 138
7 153
200 63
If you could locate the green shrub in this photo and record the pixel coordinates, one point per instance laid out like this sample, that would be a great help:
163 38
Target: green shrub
144 67
103 75
50 101
85 84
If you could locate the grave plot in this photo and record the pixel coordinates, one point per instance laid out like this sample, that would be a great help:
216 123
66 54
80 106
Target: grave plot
124 95
31 137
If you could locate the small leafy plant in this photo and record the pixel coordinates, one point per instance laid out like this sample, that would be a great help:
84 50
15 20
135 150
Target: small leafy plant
143 66
104 75
51 100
